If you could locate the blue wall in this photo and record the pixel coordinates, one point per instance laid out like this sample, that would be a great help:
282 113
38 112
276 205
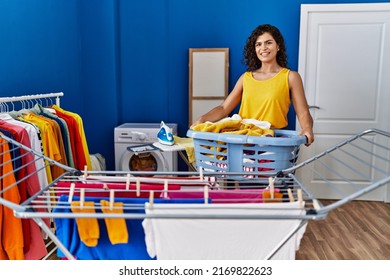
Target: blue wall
127 61
40 48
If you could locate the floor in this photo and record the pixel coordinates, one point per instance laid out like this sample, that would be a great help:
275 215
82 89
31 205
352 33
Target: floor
358 230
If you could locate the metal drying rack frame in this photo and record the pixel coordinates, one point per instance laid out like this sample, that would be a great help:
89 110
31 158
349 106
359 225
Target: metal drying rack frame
369 149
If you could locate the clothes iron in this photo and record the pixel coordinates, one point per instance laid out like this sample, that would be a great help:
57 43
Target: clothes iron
165 135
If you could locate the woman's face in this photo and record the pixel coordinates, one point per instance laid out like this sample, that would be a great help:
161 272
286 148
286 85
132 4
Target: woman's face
266 48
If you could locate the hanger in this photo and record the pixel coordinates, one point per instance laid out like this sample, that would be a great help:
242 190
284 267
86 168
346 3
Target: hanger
24 109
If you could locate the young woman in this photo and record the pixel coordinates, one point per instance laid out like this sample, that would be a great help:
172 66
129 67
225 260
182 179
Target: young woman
268 87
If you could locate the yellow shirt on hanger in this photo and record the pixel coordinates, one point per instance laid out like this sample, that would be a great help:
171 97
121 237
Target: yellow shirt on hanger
49 142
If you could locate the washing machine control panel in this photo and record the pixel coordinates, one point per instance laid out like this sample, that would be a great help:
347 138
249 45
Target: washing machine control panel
136 137
139 133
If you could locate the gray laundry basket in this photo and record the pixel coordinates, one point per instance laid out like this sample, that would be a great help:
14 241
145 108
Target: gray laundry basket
224 152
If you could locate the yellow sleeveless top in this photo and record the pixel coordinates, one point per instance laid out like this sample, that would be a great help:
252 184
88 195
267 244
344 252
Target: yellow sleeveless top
267 100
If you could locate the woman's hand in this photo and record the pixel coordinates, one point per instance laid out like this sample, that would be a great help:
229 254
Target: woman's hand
196 123
309 136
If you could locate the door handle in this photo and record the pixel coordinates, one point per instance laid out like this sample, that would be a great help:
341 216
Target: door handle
314 107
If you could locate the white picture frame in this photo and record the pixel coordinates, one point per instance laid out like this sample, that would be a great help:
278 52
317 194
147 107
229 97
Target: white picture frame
208 79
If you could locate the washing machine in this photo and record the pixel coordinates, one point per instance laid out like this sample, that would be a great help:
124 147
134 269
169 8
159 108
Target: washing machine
130 138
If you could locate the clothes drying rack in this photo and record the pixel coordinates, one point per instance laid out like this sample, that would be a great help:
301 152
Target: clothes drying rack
353 168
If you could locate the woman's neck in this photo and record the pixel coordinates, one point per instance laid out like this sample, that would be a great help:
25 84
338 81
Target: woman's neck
269 68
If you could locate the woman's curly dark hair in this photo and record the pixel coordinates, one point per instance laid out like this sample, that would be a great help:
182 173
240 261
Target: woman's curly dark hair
251 60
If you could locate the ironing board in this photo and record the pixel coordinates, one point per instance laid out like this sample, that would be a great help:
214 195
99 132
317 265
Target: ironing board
176 148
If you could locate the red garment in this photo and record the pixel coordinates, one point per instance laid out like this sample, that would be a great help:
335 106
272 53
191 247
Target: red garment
223 196
121 187
76 141
29 182
21 175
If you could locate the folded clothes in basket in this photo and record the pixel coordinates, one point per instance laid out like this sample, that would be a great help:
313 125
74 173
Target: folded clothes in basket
237 125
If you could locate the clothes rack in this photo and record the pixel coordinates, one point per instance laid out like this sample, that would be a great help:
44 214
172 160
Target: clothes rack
41 125
57 96
284 189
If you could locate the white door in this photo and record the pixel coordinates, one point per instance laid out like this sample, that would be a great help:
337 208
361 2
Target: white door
344 60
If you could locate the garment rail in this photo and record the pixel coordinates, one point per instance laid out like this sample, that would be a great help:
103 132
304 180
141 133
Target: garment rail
40 96
349 170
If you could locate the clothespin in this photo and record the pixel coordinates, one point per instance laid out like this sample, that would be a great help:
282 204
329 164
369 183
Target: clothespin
112 199
213 181
201 173
85 172
165 188
272 187
128 182
138 187
206 194
151 199
290 195
71 192
316 204
82 197
300 198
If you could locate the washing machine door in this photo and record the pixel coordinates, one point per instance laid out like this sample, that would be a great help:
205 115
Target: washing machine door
148 161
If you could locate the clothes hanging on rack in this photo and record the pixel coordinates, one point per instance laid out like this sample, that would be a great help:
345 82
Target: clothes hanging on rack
29 185
209 222
61 133
50 113
81 151
38 129
51 142
11 231
134 249
223 239
71 233
95 189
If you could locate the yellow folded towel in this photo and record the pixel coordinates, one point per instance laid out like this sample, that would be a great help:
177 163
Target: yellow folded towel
217 127
88 228
233 127
116 227
188 145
